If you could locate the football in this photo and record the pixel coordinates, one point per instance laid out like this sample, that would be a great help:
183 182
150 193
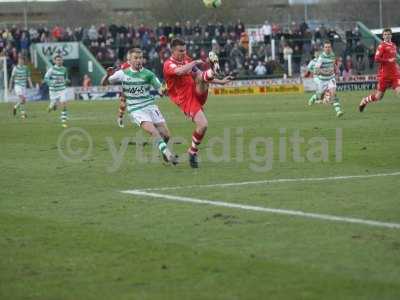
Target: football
212 3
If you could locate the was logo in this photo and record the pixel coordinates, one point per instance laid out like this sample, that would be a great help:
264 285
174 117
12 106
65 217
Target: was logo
66 50
135 90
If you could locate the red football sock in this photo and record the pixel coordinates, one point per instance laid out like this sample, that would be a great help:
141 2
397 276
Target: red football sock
122 108
368 99
196 141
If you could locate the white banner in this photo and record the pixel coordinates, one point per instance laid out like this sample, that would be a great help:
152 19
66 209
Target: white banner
357 82
309 84
261 82
68 50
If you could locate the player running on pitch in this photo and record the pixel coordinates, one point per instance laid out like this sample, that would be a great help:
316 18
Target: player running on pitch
317 96
188 88
57 79
136 83
20 76
325 69
388 73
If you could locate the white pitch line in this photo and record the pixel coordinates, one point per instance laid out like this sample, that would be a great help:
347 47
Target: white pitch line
266 209
268 181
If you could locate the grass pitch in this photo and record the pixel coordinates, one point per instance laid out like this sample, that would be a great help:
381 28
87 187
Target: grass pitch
67 231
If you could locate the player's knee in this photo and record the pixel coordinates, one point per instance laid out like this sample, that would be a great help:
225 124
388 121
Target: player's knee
202 127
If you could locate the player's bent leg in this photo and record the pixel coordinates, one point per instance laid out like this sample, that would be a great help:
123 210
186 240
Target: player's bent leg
337 106
201 122
151 129
121 111
52 104
319 94
163 131
315 98
374 97
201 87
197 137
64 114
15 108
22 101
331 97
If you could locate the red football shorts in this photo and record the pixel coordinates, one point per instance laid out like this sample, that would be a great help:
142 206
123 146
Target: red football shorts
193 103
386 83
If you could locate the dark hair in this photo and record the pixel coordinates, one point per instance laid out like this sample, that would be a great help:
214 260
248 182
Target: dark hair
387 30
57 56
177 42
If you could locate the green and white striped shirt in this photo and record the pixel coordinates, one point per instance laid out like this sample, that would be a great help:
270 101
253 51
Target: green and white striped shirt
56 78
136 86
325 66
20 75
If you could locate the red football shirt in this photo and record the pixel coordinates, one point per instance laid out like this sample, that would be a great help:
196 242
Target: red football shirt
385 52
180 87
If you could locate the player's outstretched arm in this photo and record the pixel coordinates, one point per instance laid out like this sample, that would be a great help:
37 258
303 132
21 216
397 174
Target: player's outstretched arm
224 80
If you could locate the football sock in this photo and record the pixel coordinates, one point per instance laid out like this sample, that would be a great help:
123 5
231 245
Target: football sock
22 108
162 146
196 141
52 104
336 105
368 99
64 115
121 110
312 99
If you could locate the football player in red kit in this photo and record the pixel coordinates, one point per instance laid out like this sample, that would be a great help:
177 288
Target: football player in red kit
388 73
122 100
188 88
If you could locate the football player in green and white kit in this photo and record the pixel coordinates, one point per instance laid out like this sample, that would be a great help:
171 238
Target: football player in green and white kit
137 82
20 76
316 97
325 70
57 79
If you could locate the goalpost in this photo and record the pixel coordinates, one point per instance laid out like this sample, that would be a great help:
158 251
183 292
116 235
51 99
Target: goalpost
3 80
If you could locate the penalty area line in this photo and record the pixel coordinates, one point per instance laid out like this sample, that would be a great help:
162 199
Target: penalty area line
271 181
296 213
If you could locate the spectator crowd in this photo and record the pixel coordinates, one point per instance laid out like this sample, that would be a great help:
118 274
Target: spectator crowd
239 53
